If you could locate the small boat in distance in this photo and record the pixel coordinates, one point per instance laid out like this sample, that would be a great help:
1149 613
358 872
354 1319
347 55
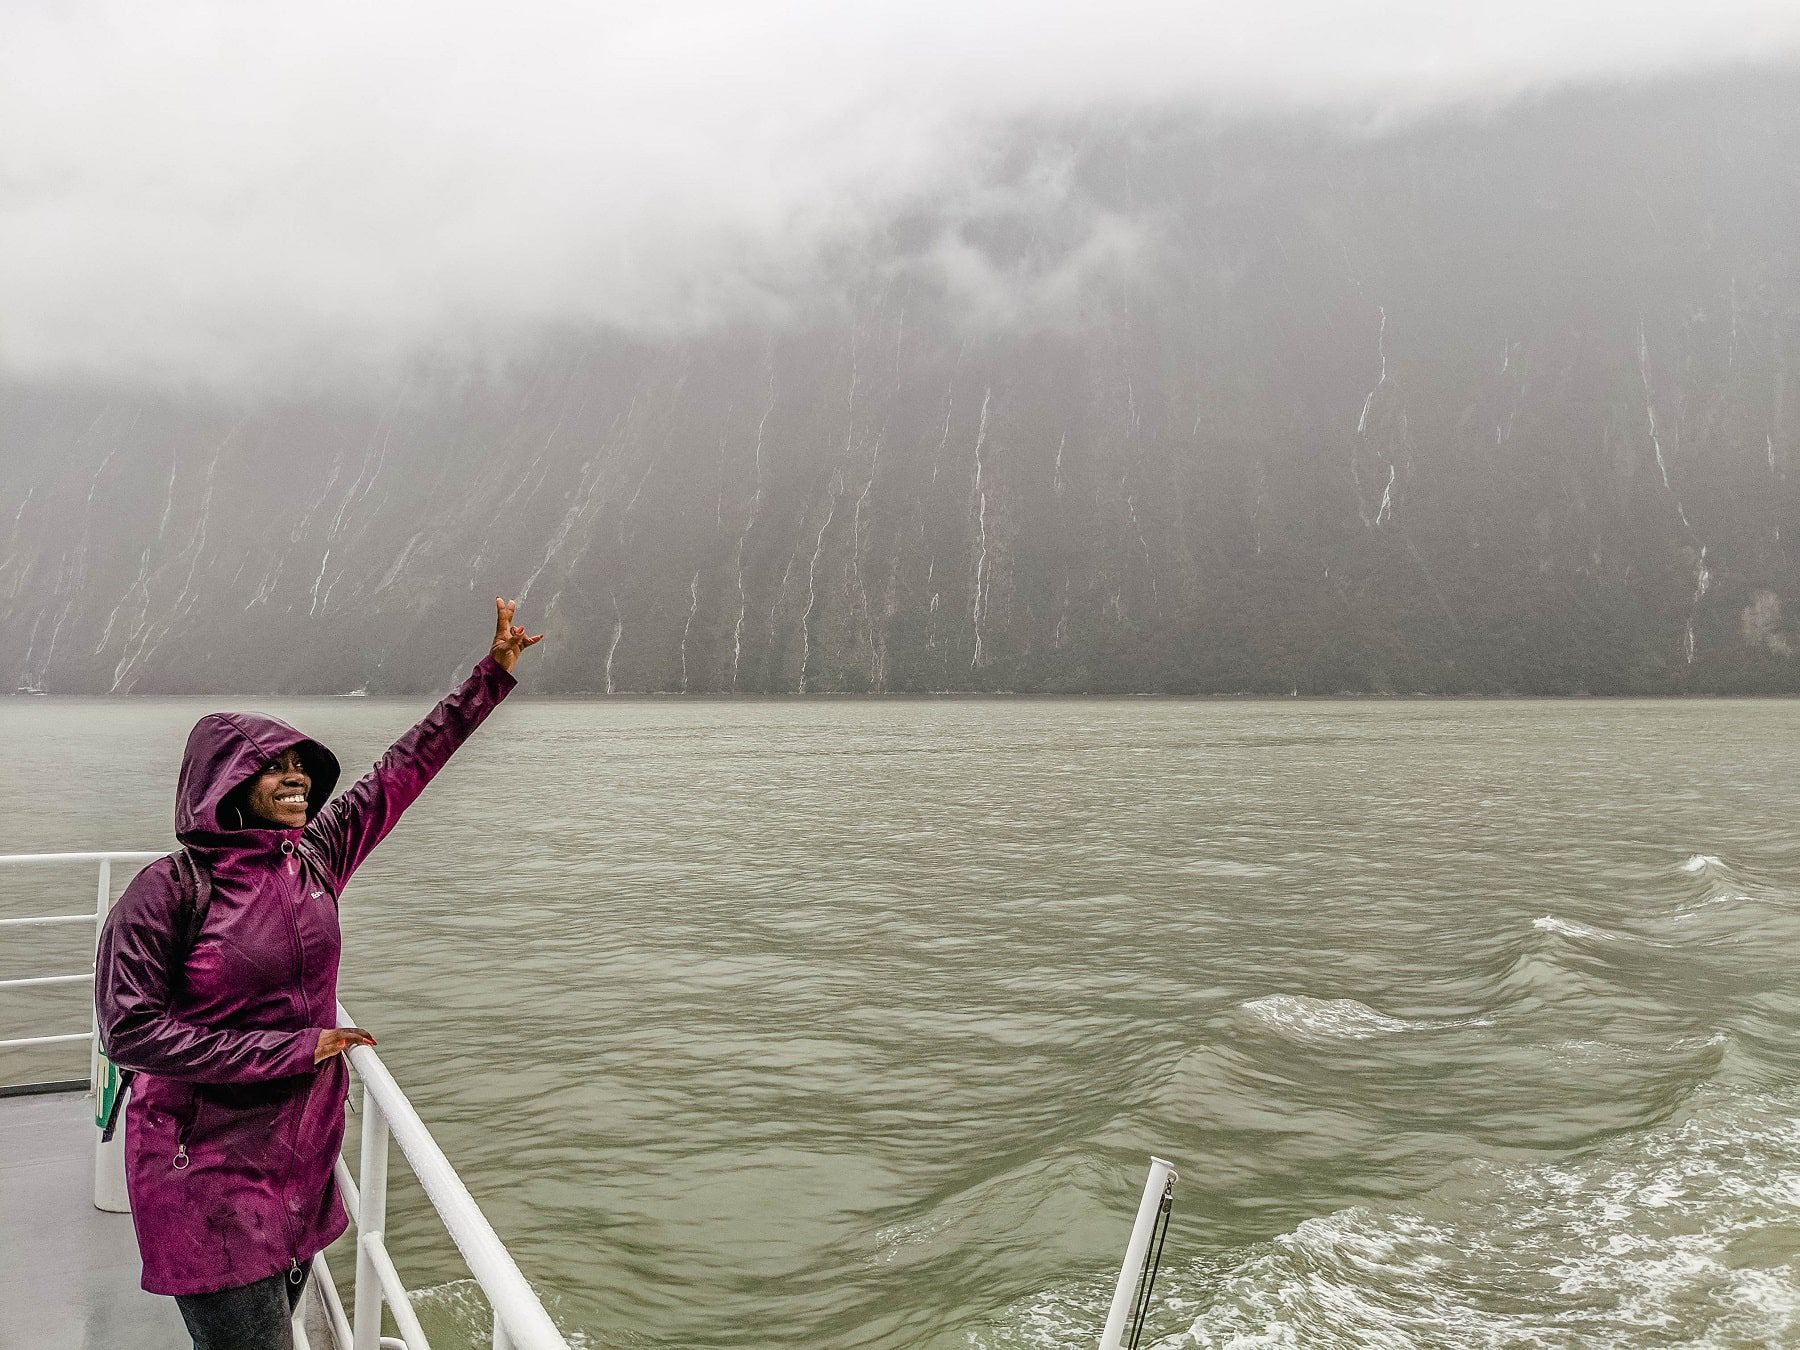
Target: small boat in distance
29 688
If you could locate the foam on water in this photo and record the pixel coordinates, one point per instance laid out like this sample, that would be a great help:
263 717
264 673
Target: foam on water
1299 1015
1570 928
1727 885
1592 1051
1686 1233
457 1313
1549 923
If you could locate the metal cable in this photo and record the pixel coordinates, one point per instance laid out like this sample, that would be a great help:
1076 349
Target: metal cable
1147 1273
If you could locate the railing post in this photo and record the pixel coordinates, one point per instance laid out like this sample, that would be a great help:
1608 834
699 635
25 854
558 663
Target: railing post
102 903
1159 1179
371 1222
103 1081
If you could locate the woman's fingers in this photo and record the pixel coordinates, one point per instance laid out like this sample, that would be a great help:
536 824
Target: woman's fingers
336 1040
509 638
517 637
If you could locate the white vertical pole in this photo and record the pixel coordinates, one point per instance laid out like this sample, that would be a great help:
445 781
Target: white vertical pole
501 1340
102 903
1154 1185
371 1221
109 1159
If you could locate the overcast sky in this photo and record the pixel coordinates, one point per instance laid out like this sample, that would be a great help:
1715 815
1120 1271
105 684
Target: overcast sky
232 190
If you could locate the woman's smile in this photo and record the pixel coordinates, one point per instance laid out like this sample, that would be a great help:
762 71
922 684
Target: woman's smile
278 794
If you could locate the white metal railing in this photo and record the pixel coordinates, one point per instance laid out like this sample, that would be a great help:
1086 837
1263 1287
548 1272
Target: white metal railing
520 1322
94 917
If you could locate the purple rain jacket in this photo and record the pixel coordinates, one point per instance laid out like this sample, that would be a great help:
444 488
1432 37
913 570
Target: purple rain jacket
231 1130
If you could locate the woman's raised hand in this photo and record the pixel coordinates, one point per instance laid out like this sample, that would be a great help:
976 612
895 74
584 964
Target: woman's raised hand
508 640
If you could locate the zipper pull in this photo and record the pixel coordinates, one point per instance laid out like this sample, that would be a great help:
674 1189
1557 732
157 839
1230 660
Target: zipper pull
295 1274
181 1157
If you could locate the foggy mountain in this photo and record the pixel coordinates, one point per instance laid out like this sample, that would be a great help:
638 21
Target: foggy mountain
1491 403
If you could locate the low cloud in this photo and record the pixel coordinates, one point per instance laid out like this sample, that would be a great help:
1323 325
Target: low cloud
224 192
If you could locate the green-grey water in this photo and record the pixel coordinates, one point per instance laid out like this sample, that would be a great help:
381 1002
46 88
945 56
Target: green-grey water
853 1023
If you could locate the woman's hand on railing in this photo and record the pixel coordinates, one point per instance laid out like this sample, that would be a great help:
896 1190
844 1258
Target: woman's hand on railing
508 640
336 1040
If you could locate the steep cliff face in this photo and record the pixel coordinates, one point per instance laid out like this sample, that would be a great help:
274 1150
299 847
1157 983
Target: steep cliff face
1502 405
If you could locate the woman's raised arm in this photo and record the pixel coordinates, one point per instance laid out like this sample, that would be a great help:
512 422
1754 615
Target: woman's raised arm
348 829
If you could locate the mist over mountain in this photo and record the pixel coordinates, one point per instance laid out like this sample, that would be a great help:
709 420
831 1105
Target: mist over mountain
1160 402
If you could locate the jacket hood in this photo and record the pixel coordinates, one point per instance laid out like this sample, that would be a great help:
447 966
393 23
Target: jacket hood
225 751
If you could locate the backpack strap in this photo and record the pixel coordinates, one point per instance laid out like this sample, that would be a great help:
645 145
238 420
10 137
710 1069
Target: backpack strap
118 1102
193 897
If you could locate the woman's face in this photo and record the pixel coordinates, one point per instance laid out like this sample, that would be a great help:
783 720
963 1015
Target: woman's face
278 793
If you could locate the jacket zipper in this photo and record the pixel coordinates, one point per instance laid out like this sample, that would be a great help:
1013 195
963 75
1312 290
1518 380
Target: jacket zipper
298 877
184 1131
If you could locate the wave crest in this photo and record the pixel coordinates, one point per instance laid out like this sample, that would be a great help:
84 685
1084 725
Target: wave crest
1346 1018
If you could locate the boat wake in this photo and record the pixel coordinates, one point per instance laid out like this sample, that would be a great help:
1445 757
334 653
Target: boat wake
1681 1234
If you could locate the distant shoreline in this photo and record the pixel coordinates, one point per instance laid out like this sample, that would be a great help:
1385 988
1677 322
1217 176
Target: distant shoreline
948 695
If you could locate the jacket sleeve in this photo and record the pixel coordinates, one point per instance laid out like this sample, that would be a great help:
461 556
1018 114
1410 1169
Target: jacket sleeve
347 830
132 991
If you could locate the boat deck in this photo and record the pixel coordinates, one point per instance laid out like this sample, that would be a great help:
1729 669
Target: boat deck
68 1272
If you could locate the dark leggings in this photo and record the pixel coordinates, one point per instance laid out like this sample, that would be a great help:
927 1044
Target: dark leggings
251 1317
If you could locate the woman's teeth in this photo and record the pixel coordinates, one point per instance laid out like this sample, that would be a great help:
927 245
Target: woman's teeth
295 800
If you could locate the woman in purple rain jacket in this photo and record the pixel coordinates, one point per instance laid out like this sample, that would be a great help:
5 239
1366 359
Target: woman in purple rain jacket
237 1113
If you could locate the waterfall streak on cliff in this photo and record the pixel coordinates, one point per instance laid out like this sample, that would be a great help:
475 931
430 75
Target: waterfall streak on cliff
1702 580
812 585
856 555
1650 418
193 552
618 631
979 493
1362 432
1362 422
1387 499
314 608
688 628
937 460
756 497
140 584
399 563
75 572
1137 528
585 488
